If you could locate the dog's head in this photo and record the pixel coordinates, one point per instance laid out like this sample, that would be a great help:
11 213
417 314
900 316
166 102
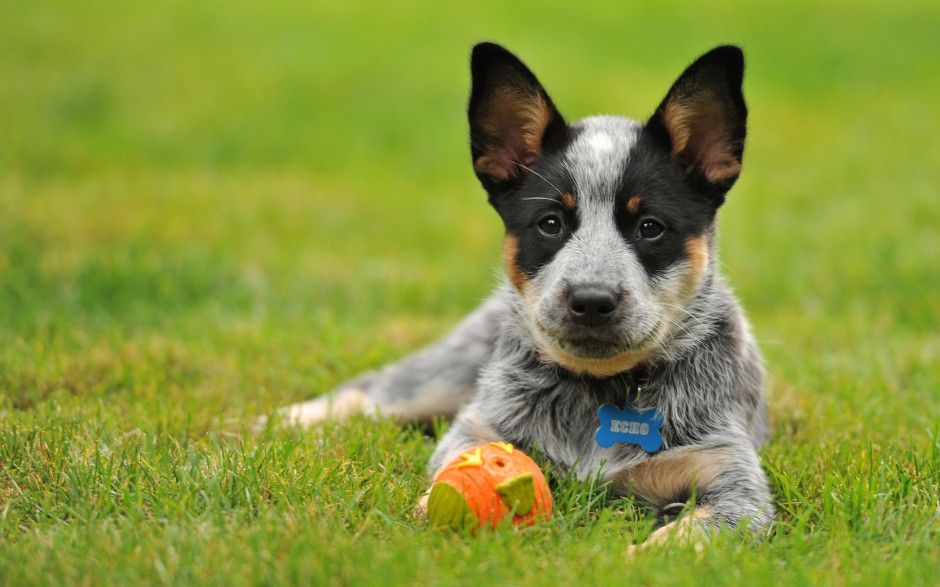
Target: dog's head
609 222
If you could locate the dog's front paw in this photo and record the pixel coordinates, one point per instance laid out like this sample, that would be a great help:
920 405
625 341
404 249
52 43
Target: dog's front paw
691 530
698 543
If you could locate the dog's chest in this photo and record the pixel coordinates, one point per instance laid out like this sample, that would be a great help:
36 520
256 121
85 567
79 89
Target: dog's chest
562 423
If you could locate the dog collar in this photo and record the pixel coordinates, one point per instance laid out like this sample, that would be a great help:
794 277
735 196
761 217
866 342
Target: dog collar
638 375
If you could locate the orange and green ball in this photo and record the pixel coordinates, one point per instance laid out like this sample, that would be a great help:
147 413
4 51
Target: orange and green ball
486 485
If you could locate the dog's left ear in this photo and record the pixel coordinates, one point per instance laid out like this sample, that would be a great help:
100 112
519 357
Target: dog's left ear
703 121
512 119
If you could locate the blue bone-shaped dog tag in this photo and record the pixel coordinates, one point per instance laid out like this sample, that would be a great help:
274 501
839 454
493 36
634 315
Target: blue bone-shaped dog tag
630 426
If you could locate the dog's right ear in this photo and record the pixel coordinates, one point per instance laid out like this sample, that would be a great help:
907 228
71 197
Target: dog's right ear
512 119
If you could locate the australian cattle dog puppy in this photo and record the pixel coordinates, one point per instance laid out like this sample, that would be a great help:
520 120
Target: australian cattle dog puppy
614 347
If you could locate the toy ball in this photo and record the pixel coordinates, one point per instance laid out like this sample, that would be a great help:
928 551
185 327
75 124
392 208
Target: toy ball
487 485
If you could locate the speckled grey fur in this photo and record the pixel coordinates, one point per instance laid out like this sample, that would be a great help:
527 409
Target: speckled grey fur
706 378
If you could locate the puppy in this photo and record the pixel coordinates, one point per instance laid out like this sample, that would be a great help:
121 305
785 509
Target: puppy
614 347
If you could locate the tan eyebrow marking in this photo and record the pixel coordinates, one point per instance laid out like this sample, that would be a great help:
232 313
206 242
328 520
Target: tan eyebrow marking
633 204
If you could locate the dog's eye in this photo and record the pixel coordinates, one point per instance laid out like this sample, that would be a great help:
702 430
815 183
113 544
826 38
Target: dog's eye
650 229
550 225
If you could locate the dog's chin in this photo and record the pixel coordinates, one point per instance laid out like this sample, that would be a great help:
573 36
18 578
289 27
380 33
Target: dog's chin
593 357
593 349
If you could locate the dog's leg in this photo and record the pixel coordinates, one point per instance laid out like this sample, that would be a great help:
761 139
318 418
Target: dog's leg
435 381
726 481
467 431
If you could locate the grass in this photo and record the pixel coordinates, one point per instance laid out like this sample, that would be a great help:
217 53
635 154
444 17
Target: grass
209 209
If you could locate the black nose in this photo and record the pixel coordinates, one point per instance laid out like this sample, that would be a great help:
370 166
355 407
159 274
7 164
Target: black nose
591 305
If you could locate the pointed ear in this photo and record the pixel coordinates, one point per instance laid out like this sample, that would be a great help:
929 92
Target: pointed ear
512 119
703 121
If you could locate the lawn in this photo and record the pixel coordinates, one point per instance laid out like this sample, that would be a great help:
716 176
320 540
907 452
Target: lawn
210 209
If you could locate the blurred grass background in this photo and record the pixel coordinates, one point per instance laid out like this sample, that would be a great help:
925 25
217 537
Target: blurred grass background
209 209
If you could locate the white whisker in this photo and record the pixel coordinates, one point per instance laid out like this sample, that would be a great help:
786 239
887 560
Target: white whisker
560 193
681 309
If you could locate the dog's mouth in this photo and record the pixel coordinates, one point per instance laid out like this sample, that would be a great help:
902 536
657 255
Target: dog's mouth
588 344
